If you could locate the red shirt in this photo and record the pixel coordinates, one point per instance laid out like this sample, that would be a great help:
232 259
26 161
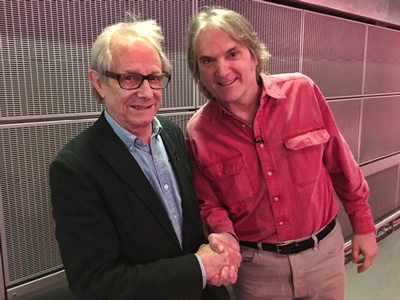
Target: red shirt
274 182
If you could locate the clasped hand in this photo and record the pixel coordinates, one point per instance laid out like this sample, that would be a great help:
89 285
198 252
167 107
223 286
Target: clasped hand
221 258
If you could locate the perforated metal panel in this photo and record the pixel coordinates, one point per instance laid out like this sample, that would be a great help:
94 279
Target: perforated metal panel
398 188
382 70
279 27
347 113
380 128
29 247
180 118
44 58
333 54
383 186
45 52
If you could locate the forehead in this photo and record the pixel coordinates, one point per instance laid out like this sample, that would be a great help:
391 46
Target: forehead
131 51
211 41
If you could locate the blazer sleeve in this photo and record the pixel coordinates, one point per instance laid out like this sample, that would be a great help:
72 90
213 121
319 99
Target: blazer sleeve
98 262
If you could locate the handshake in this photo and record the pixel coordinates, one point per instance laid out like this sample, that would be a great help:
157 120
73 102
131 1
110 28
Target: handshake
221 258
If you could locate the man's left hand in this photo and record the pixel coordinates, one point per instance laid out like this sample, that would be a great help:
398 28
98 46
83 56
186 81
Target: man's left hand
363 250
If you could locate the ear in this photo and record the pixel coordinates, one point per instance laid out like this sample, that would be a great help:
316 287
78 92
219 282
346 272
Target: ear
96 82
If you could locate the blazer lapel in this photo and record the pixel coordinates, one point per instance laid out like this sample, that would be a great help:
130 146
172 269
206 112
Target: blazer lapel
115 153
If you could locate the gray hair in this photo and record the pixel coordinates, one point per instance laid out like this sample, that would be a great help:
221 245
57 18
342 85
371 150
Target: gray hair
235 25
101 56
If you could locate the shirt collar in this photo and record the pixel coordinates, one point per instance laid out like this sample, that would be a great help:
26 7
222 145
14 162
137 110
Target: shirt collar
126 137
270 90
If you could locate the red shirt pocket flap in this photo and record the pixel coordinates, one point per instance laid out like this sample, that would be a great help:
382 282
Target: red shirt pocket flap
228 166
312 138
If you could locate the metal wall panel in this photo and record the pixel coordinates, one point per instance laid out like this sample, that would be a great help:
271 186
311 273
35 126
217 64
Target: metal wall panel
333 54
347 114
45 53
386 11
382 69
44 58
383 186
29 247
380 127
179 118
398 189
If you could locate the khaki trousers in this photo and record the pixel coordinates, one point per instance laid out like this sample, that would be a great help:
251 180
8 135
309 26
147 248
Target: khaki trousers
312 274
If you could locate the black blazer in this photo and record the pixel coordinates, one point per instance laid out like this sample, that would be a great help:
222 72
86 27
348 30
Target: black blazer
115 237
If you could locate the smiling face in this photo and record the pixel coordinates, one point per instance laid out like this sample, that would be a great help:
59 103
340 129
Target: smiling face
135 109
227 68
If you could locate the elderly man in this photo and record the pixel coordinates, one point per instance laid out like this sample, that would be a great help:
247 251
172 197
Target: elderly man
126 212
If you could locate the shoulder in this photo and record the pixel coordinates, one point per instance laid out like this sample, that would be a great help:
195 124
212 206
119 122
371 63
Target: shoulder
169 128
167 123
289 78
85 143
209 113
290 84
79 146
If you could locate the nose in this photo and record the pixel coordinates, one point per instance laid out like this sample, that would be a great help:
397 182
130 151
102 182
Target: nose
145 91
222 68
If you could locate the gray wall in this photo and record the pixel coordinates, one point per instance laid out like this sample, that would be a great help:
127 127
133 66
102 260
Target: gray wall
45 99
383 11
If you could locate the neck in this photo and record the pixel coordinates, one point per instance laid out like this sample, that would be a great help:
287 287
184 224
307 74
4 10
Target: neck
143 133
247 111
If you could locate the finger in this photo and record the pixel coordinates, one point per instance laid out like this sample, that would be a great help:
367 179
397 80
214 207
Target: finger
366 263
232 276
224 273
235 260
223 276
355 256
215 243
232 272
214 280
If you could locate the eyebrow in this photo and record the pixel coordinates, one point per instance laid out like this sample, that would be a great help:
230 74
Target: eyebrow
228 51
231 49
136 72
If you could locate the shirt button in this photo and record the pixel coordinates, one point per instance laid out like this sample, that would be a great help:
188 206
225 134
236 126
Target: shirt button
174 217
243 125
269 173
280 223
165 186
138 141
276 199
261 146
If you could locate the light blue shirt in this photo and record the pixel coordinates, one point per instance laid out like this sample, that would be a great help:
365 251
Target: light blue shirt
155 165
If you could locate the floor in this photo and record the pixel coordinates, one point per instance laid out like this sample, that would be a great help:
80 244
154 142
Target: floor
382 280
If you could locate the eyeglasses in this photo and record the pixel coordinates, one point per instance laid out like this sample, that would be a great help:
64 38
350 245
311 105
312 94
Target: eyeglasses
131 81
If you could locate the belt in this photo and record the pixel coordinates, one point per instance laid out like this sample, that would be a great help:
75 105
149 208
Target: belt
294 247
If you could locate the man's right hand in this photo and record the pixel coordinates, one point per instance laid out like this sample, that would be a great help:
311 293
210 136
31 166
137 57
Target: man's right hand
226 242
218 267
229 258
